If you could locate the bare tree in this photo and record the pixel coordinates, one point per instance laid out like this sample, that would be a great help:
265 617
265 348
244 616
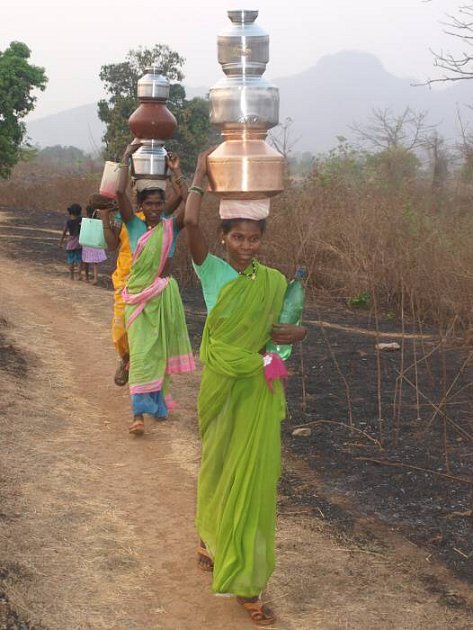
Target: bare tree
386 130
439 159
465 148
457 67
282 137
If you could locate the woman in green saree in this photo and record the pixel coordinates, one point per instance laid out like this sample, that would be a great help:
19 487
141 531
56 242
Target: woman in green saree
240 409
158 340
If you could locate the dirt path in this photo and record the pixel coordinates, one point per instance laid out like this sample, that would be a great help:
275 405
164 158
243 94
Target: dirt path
96 527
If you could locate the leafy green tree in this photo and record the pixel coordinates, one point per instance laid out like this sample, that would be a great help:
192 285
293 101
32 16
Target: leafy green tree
194 130
18 79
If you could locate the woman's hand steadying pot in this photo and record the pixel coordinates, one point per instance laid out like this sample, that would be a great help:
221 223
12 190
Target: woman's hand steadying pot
173 162
201 167
287 334
131 148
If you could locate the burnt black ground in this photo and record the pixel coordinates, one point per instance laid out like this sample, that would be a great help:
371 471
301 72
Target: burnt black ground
340 365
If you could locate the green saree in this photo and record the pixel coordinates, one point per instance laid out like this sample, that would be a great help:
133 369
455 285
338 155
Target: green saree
239 422
154 314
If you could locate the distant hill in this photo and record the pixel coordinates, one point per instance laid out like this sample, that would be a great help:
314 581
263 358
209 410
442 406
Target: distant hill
345 87
322 101
79 127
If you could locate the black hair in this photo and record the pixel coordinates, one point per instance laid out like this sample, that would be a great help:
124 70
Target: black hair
75 210
90 210
227 224
142 195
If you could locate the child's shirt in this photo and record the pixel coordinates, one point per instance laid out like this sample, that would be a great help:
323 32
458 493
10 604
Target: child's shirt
73 229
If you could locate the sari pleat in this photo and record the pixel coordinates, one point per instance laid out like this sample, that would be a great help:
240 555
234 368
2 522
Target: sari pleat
239 423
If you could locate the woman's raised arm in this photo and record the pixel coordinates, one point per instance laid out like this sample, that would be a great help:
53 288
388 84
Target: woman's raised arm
124 204
178 188
197 243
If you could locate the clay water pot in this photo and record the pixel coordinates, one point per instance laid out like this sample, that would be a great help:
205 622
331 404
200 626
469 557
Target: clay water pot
152 120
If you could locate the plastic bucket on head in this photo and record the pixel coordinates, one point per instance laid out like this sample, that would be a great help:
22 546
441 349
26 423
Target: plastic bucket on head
110 180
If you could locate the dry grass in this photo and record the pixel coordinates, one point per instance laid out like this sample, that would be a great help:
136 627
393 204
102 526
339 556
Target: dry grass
396 246
37 187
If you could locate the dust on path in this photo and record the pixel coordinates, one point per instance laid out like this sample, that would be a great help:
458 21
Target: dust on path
96 527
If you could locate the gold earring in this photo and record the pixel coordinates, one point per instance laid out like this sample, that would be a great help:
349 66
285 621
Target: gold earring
223 242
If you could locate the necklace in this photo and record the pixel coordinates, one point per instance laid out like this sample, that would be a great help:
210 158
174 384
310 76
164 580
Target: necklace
252 275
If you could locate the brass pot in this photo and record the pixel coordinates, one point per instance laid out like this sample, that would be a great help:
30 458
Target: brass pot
244 166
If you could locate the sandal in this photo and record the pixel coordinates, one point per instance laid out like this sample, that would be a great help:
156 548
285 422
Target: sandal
121 374
259 613
137 428
204 559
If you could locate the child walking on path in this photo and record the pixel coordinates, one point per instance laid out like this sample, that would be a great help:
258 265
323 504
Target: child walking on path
73 247
92 255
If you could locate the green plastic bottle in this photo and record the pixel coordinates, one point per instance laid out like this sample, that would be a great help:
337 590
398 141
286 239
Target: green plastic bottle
291 312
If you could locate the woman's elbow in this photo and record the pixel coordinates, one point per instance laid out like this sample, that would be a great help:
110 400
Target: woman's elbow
191 222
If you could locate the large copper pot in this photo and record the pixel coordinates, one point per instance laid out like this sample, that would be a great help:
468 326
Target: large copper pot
245 167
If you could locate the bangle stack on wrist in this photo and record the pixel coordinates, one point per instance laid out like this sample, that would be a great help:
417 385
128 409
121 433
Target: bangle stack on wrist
197 189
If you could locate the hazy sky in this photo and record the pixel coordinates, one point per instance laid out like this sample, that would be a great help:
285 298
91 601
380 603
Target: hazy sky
72 39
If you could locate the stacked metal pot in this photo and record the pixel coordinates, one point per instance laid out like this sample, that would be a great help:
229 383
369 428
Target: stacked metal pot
153 124
244 106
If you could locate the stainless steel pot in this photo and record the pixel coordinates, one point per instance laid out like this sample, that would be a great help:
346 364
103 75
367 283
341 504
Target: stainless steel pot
243 47
150 160
153 86
249 101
